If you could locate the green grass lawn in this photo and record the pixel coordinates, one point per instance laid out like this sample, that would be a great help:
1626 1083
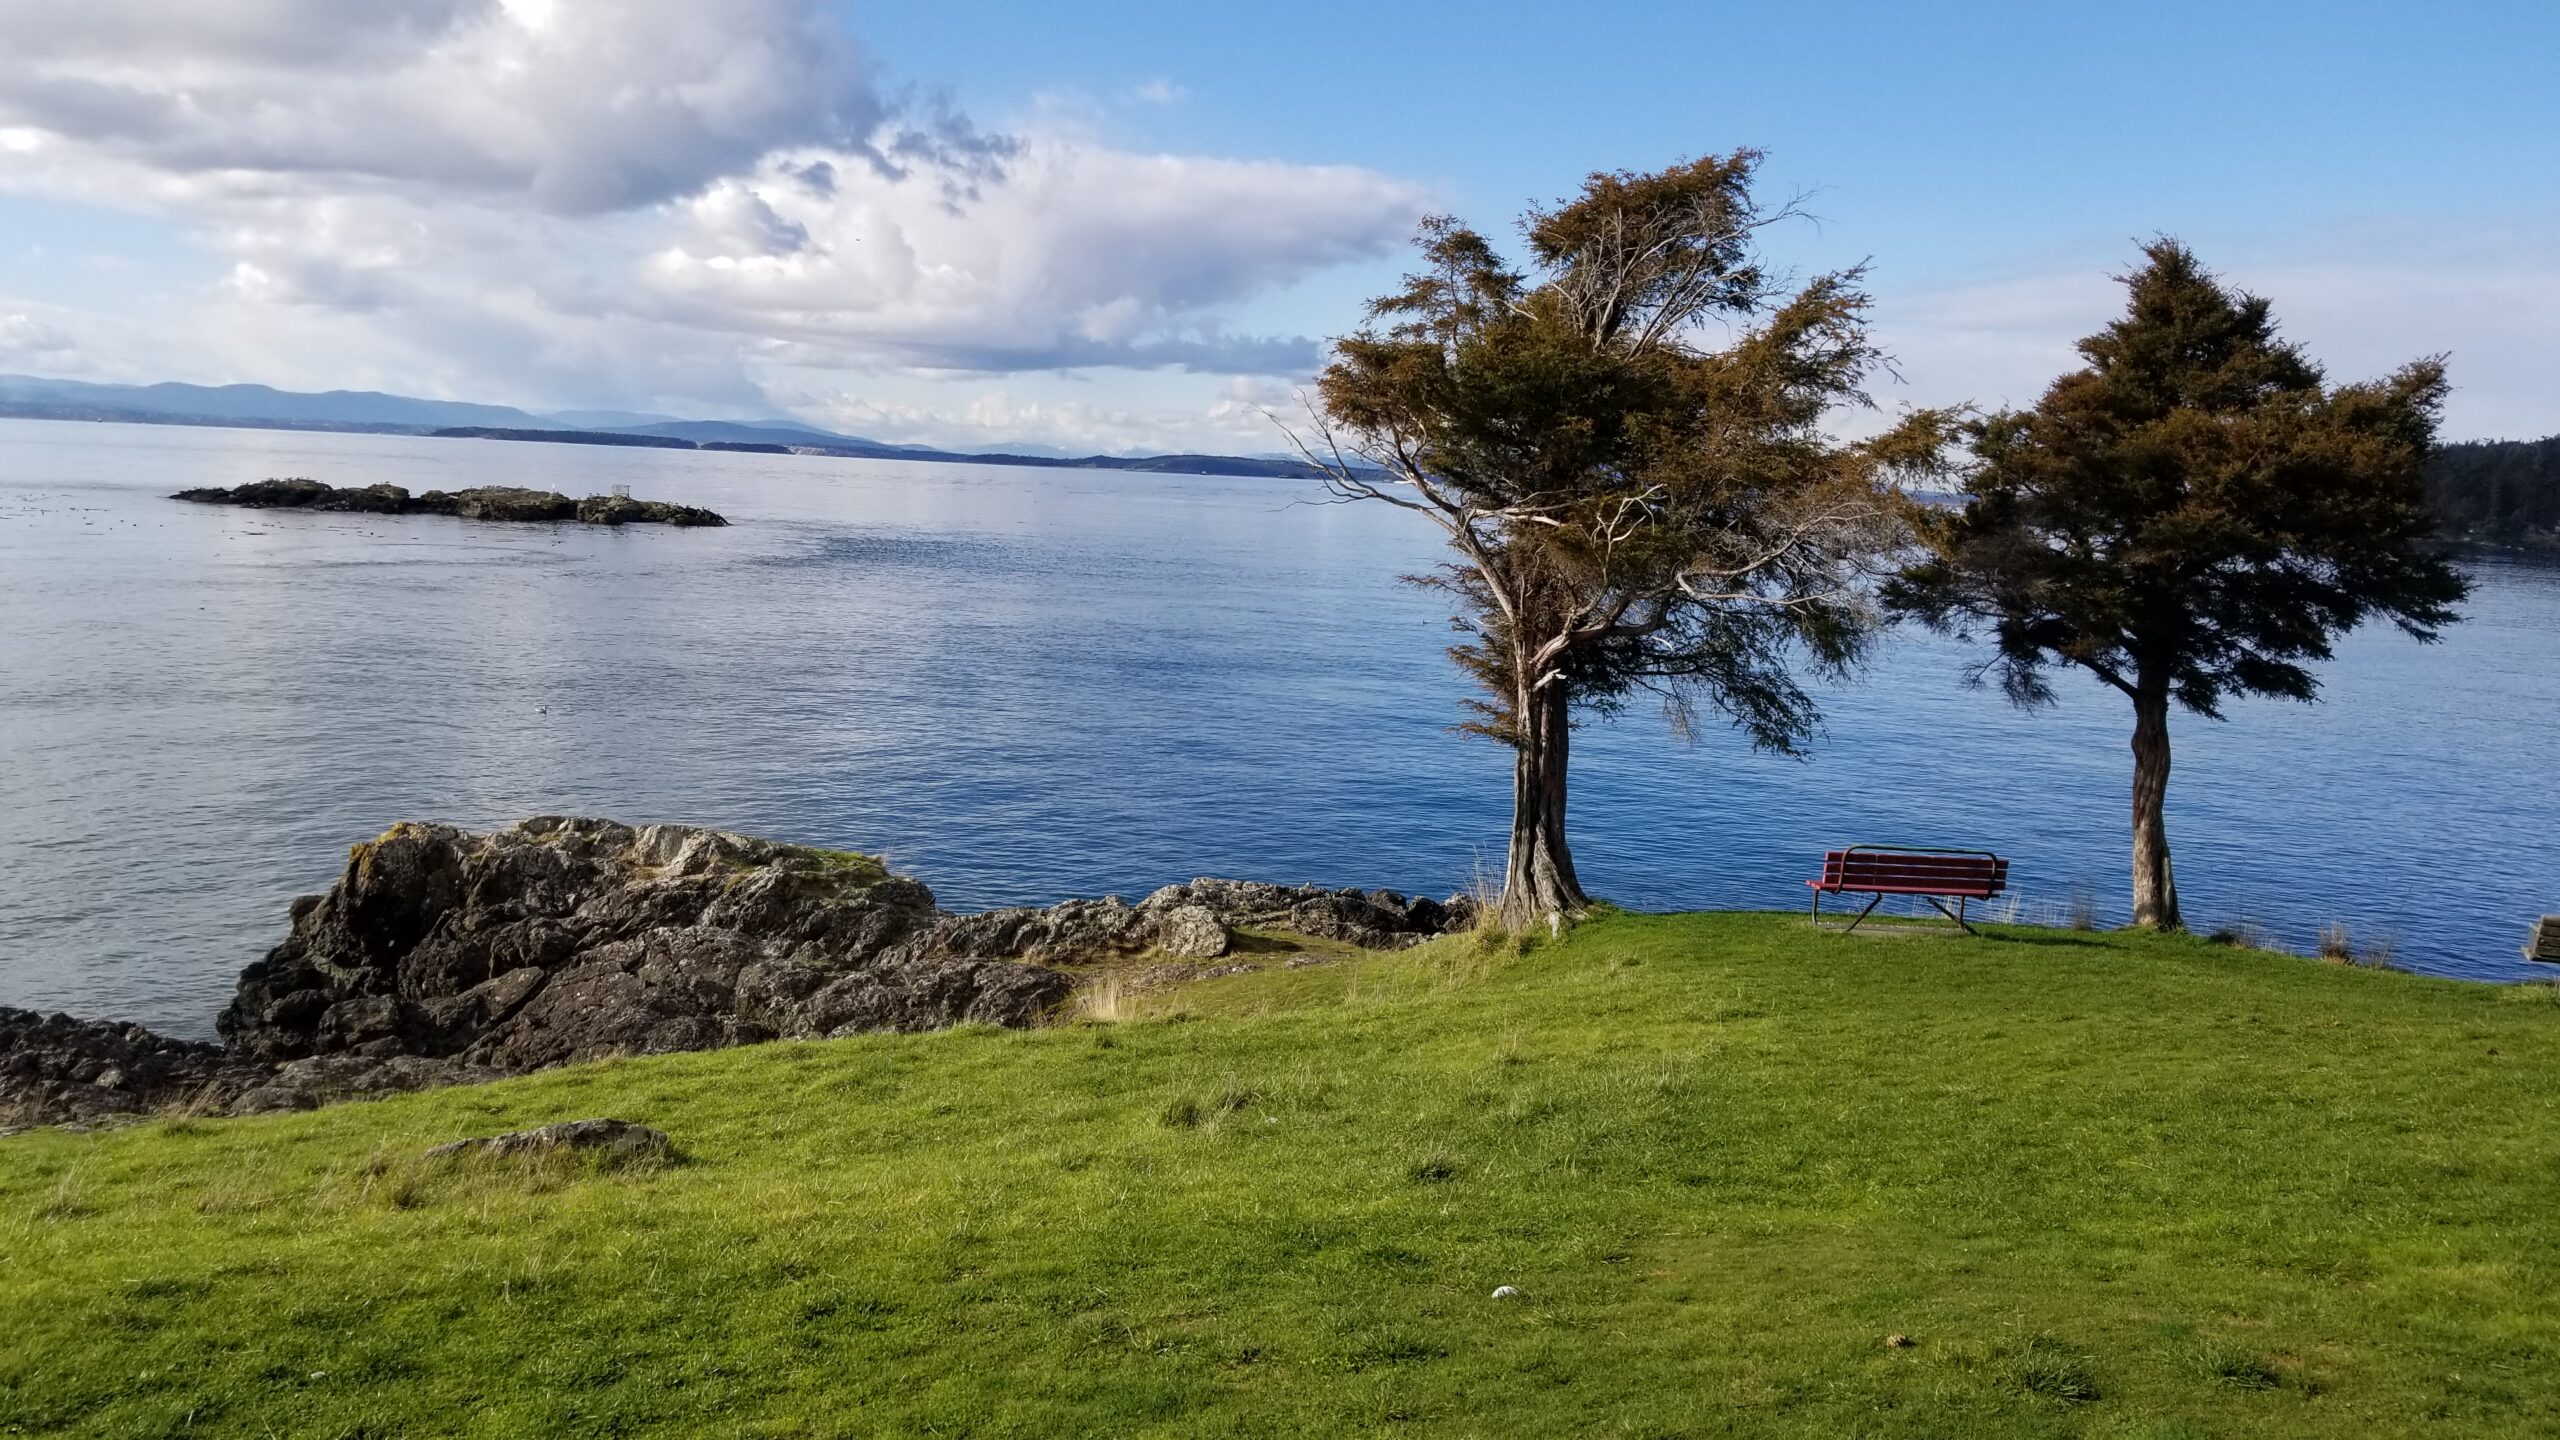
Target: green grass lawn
2105 1185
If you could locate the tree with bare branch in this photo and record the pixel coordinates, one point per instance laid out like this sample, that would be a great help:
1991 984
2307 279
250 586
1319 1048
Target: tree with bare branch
1624 443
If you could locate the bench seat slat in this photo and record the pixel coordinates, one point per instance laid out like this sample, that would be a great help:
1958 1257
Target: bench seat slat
1979 868
1911 872
1969 890
1896 872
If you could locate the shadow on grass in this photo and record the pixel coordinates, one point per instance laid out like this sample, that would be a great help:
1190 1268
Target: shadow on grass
2078 942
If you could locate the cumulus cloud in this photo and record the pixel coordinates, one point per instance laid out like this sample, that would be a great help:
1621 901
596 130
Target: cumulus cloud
541 192
580 106
1076 255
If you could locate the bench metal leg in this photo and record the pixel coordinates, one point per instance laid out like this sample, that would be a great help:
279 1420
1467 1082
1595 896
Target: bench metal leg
1872 903
1957 914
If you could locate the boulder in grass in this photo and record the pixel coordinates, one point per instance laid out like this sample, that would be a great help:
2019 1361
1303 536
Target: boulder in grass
617 1142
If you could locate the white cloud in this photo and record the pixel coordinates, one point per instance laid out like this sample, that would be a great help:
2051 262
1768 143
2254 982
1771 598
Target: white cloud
1076 255
24 336
1159 91
580 106
642 203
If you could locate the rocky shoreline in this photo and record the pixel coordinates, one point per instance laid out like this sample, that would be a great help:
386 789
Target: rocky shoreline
485 502
443 957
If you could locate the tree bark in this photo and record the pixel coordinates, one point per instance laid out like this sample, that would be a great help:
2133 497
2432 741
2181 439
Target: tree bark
2155 889
1538 882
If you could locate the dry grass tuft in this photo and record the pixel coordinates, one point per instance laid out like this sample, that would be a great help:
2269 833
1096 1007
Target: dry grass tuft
1105 1000
64 1201
2338 947
2084 908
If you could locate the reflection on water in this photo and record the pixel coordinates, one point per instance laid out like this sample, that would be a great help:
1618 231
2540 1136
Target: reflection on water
1029 684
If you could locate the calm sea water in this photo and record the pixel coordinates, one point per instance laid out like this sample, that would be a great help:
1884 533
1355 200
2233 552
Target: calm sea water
1025 685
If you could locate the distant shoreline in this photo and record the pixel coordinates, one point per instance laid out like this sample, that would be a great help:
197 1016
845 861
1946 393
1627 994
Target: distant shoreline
1222 465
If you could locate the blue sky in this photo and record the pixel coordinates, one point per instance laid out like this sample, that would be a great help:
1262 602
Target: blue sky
1124 227
1942 129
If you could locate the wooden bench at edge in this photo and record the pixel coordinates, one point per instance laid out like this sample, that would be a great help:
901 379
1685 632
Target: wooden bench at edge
1934 875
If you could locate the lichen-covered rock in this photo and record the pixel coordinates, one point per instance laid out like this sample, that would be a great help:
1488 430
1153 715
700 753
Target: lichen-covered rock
1371 919
1069 930
1193 932
562 940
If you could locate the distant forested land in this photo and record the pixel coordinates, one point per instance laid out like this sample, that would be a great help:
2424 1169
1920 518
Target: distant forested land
2497 489
561 437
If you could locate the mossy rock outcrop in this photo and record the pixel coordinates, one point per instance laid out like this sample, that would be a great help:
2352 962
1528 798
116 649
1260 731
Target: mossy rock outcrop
444 956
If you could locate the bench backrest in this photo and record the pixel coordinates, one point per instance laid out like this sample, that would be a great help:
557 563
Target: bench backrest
1960 872
2545 944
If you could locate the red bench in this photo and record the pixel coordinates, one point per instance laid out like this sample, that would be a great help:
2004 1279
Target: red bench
1880 870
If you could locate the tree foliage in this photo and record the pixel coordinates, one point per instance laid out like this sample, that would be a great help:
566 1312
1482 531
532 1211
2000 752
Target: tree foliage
1623 441
2194 515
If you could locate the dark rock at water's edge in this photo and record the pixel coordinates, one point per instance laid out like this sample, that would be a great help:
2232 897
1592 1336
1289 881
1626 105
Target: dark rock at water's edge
57 1070
623 510
483 502
446 957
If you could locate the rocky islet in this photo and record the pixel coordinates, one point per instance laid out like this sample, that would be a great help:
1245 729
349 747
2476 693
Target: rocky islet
483 502
444 956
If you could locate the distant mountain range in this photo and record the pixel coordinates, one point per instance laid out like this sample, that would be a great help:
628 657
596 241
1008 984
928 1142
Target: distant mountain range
369 411
255 405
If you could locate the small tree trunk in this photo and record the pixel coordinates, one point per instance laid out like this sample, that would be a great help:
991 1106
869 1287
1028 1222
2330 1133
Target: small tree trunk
1538 881
2155 889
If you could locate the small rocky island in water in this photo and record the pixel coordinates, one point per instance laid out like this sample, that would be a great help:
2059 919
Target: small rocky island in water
484 502
443 957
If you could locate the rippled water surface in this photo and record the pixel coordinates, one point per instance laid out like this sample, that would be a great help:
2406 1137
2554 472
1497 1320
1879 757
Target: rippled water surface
1030 684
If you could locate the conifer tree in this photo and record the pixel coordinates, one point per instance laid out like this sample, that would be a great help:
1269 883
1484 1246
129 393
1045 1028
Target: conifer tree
2194 515
1625 446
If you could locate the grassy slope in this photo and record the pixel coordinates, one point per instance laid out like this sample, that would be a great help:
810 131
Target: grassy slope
2111 1186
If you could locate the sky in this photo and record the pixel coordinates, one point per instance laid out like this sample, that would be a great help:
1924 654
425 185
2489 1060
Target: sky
1133 227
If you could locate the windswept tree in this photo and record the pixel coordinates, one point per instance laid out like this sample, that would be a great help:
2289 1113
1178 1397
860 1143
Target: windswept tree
1624 443
2193 516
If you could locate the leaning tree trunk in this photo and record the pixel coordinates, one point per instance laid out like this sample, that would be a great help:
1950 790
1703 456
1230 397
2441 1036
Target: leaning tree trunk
1538 882
2155 889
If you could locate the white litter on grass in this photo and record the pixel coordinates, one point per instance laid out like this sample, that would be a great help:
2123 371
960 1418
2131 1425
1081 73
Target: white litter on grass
1506 1292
